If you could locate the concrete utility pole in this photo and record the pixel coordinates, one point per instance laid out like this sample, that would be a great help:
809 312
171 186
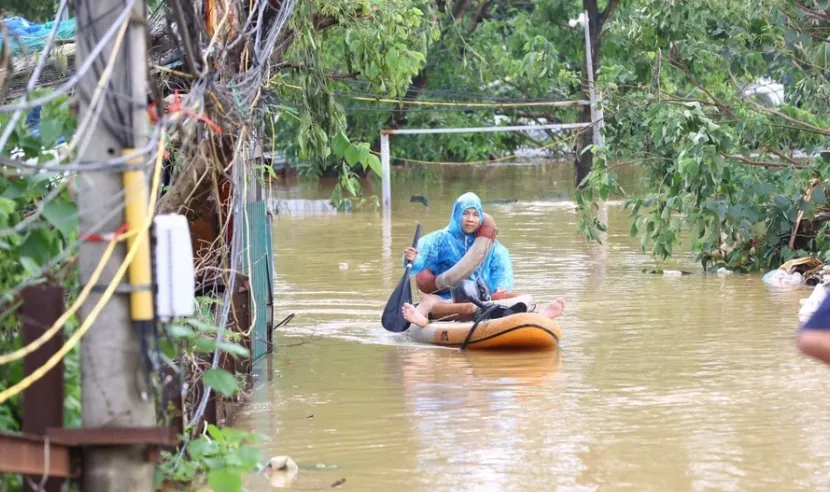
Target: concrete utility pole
112 380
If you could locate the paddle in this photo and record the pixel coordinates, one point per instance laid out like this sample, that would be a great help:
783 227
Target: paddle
392 318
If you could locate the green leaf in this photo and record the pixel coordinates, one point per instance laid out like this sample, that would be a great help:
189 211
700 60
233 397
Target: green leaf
38 245
63 215
225 480
50 131
339 144
209 345
202 326
248 456
364 153
392 58
222 381
215 433
30 265
374 164
818 197
16 189
352 155
180 331
200 447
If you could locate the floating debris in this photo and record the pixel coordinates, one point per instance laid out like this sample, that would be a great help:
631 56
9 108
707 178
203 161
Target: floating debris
281 470
797 272
419 199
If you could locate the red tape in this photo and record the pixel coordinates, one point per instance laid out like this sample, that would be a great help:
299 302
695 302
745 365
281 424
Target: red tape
175 107
104 238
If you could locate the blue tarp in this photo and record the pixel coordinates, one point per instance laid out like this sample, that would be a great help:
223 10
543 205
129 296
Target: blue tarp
29 37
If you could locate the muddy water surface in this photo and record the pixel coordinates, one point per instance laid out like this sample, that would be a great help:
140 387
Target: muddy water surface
660 383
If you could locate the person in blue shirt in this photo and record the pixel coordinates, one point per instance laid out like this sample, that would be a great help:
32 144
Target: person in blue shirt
814 335
440 250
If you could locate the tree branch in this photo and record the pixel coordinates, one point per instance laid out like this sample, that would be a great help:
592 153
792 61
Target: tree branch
331 75
752 162
804 125
813 13
608 12
781 155
675 60
482 13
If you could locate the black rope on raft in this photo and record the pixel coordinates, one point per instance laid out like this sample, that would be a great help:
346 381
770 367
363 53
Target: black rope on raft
483 316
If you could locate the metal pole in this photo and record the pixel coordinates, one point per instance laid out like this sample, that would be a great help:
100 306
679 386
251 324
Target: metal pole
590 73
385 168
481 129
113 391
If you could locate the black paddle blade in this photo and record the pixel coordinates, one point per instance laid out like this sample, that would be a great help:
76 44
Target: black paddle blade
392 318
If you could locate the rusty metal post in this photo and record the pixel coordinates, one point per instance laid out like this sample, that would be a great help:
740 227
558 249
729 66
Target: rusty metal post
241 321
43 401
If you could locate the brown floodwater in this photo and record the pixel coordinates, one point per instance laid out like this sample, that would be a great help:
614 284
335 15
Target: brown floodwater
660 383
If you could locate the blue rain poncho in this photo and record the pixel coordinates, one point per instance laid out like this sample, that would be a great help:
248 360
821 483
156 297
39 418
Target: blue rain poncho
441 249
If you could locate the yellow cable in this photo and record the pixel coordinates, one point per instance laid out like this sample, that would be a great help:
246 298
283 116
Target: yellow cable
453 104
57 325
93 315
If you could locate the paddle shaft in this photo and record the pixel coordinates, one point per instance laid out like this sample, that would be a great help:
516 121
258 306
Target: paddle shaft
414 245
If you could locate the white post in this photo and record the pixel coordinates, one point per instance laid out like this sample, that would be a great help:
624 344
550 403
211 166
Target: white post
591 91
387 174
386 187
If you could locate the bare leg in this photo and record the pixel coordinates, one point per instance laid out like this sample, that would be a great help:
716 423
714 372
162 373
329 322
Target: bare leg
554 309
816 344
419 315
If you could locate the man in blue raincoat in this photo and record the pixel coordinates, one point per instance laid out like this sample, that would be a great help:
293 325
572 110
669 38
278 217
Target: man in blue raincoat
440 250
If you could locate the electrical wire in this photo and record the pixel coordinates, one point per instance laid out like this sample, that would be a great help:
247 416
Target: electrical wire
58 324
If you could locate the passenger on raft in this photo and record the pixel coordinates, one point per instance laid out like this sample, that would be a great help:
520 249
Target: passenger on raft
440 250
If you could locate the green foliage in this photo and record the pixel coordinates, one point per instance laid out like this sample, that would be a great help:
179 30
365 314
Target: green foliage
385 42
32 232
710 157
217 458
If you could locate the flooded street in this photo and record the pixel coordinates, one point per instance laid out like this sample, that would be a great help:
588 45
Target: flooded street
660 383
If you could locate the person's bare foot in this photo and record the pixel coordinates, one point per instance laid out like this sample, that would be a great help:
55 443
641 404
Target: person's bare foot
554 309
411 314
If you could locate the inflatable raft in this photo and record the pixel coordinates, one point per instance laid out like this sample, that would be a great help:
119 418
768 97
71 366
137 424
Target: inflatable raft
517 331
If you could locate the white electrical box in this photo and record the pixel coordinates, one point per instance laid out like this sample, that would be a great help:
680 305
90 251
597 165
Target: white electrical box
174 271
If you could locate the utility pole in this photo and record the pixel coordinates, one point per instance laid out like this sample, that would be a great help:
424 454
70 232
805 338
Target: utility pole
113 392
